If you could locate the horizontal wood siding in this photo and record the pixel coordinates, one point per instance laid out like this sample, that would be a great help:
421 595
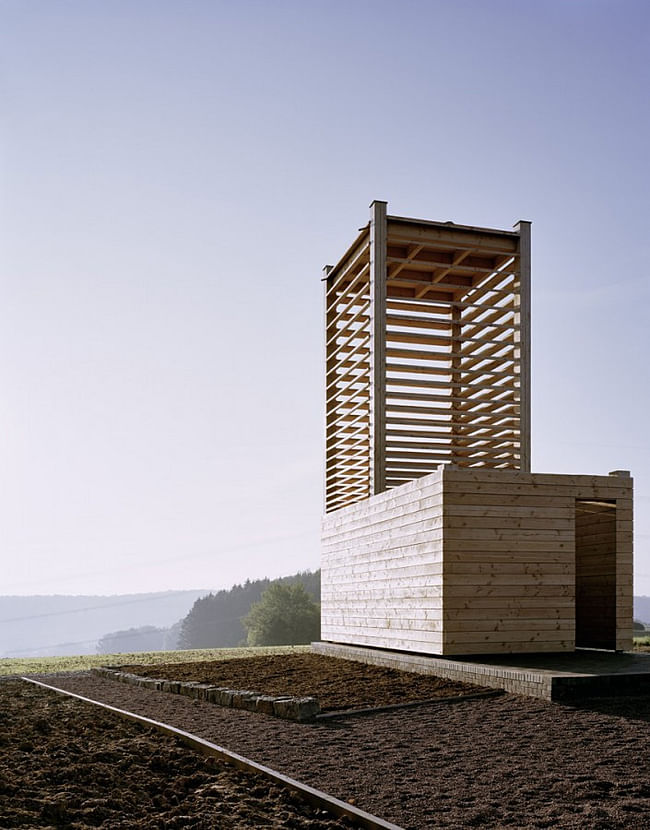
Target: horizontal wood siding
470 561
382 570
624 568
509 559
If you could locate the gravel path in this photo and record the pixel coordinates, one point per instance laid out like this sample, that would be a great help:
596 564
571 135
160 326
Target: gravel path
498 762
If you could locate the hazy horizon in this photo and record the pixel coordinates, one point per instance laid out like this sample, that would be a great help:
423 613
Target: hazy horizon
173 179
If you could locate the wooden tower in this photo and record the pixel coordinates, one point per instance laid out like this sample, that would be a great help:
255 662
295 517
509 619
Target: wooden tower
437 538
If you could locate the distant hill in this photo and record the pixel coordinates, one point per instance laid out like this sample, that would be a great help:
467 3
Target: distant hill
642 609
41 626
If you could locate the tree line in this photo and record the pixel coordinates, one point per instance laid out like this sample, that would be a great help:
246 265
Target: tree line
218 620
259 612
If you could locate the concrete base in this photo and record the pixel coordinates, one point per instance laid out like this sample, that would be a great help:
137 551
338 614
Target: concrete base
547 676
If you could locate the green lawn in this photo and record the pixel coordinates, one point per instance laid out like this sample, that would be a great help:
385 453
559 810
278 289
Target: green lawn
48 665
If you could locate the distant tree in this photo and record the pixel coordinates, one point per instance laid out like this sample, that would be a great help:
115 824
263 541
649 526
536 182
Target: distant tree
310 581
145 638
285 615
170 640
216 620
638 626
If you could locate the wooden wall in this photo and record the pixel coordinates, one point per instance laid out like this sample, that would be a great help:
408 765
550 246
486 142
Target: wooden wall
509 563
382 570
469 561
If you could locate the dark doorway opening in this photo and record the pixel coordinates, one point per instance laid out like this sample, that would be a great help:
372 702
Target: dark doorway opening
595 535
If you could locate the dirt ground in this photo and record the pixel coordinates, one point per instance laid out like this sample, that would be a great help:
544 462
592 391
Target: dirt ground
338 684
64 763
495 762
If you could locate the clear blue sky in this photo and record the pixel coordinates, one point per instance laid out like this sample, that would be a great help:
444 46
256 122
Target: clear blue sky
173 177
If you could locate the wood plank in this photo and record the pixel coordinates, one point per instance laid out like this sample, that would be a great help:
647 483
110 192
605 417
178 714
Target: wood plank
498 512
404 230
496 569
511 534
349 260
522 335
513 591
542 545
474 640
378 241
355 310
459 607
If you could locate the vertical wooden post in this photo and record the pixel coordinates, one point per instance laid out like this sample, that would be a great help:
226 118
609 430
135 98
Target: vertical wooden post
328 317
624 564
522 339
455 382
378 236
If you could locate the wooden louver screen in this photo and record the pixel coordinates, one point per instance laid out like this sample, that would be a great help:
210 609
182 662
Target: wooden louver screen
427 351
347 387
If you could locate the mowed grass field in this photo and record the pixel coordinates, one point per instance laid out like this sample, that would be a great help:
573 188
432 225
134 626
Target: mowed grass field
51 665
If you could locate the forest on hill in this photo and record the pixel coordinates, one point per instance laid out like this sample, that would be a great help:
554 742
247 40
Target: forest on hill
214 620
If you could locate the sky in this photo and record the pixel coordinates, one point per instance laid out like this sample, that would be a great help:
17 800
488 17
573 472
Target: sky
173 178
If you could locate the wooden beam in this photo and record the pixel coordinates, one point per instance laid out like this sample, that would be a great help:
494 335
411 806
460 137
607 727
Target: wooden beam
328 315
413 250
378 346
522 339
455 366
459 256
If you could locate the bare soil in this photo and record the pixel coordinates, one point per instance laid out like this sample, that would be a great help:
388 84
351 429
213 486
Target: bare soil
493 762
338 684
64 763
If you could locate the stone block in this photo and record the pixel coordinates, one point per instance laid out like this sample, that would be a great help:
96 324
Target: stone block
187 689
265 704
286 707
249 702
307 708
225 697
239 697
202 690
